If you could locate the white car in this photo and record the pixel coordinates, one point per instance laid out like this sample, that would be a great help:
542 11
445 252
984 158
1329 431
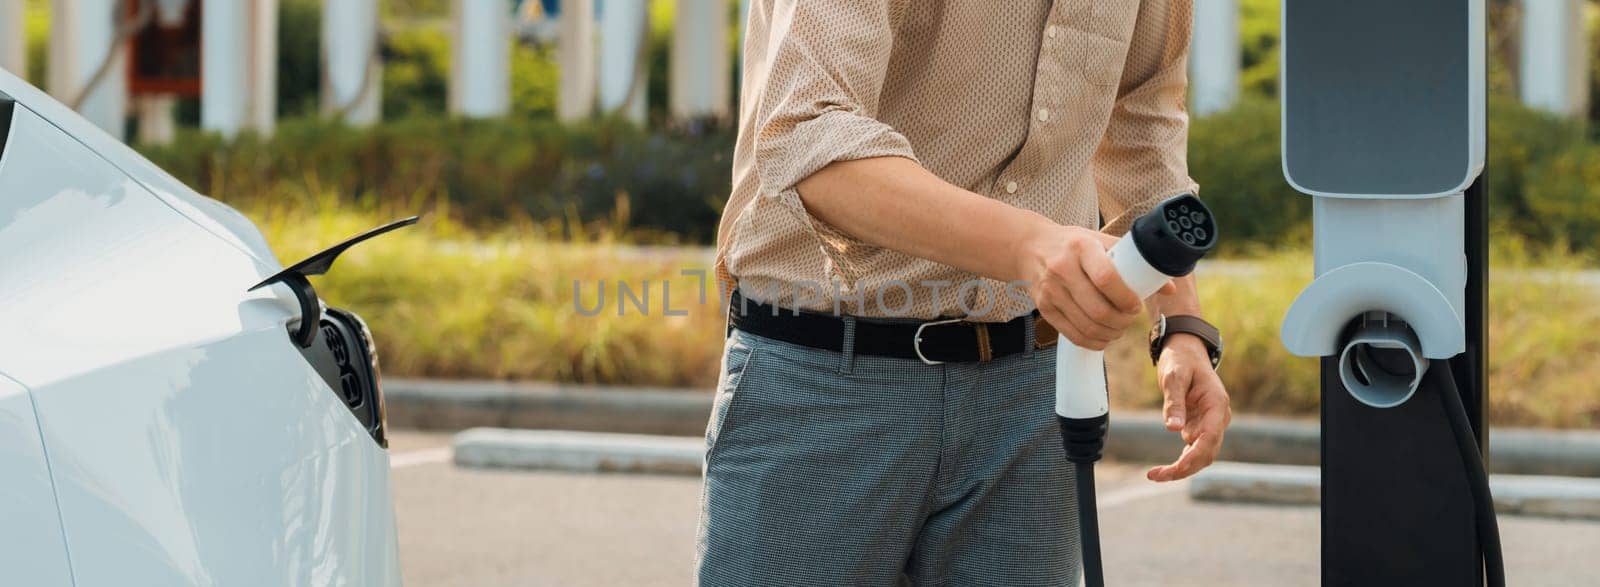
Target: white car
161 422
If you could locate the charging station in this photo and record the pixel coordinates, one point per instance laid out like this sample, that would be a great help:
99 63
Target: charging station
1384 126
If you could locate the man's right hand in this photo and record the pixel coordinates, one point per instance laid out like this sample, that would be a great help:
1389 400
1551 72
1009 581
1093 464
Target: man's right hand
1075 286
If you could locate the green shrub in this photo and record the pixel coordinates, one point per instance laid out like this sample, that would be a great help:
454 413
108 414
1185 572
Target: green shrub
299 57
1233 155
535 81
1561 198
671 183
673 180
416 72
1259 21
1522 141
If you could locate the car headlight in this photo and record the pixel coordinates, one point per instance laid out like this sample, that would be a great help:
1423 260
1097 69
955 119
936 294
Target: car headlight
344 355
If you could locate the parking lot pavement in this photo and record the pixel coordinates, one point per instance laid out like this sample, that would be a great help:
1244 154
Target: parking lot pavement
466 527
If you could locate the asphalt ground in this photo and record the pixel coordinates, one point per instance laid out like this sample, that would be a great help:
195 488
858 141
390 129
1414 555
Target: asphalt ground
472 527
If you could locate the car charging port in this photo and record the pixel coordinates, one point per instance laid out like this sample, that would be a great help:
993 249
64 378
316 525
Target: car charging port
344 356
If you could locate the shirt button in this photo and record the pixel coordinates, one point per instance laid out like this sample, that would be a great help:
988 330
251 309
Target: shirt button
1011 187
1044 115
1050 31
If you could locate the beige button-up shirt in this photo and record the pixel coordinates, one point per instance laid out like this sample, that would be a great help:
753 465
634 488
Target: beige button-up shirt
1070 108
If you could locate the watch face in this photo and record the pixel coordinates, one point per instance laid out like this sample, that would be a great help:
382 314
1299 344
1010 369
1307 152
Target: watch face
1157 333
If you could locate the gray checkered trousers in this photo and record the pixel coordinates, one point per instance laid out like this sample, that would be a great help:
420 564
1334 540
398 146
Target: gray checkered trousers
829 468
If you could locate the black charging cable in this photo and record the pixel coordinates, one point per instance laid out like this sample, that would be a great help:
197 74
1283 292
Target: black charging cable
1488 528
1085 441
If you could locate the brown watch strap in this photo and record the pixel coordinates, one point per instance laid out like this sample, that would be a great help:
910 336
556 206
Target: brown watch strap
1193 325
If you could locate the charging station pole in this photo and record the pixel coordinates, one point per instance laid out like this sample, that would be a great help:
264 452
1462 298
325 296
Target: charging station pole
1471 368
1384 126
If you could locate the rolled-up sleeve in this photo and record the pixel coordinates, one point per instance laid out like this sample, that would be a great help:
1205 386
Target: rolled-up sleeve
1143 157
819 100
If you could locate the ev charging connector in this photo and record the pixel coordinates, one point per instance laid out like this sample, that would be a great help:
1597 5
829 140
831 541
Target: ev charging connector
1162 244
1384 127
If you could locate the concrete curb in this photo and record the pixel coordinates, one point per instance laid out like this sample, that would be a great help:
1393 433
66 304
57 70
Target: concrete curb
1534 495
1252 483
457 405
1135 436
1530 495
587 452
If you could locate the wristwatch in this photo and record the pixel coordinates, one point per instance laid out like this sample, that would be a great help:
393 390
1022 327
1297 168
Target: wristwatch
1169 325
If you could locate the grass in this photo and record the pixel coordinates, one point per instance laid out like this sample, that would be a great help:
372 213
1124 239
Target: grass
448 302
451 301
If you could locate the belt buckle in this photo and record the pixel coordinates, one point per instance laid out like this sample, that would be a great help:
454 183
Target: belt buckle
916 341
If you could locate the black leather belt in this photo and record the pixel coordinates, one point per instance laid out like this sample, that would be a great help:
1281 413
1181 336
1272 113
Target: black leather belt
933 342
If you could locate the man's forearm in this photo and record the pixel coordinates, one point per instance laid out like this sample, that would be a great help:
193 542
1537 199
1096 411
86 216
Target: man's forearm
893 202
1184 299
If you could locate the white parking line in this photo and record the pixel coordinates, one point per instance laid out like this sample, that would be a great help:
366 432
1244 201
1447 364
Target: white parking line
1136 493
414 458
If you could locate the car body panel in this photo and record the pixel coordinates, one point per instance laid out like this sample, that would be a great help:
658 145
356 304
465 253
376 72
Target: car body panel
97 270
215 217
205 485
188 440
27 498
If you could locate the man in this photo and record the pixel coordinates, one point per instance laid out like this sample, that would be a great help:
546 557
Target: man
916 176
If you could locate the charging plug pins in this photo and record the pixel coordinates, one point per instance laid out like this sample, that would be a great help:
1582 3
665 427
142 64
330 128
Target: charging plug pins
1188 225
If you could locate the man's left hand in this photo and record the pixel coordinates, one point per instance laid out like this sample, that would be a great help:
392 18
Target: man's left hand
1196 406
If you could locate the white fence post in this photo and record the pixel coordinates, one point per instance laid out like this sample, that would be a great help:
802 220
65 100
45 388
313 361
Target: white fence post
263 64
158 124
354 75
1214 56
623 73
699 84
81 44
576 53
239 66
224 48
480 68
1555 56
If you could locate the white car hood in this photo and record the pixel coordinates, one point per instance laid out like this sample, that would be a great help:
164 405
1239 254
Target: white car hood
215 217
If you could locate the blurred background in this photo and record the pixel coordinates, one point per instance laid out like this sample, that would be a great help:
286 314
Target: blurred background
559 141
555 145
